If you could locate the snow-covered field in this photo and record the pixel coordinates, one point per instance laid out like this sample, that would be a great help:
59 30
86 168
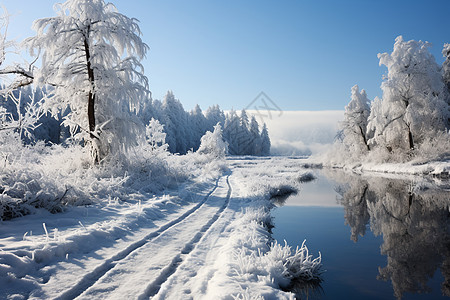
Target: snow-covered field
204 238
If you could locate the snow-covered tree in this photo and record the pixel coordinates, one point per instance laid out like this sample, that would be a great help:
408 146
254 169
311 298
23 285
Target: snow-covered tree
412 106
4 21
265 141
231 131
212 143
354 126
10 47
90 54
198 124
156 137
243 137
256 141
176 125
446 76
446 65
214 115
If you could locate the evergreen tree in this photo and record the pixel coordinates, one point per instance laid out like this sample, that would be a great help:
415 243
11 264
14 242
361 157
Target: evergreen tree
175 121
213 116
256 141
265 141
243 137
198 124
231 132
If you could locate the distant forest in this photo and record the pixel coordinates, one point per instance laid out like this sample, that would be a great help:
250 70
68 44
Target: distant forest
183 129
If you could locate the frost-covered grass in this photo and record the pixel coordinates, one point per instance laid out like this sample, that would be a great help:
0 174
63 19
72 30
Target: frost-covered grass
53 177
256 265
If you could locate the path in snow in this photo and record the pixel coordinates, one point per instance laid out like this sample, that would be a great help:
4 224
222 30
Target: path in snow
138 271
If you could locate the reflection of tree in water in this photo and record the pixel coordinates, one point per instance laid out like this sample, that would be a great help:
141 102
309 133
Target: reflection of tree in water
355 197
414 222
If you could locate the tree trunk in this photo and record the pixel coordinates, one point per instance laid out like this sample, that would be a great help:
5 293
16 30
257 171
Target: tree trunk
410 139
364 138
91 97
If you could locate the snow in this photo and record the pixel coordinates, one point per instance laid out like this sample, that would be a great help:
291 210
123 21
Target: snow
205 237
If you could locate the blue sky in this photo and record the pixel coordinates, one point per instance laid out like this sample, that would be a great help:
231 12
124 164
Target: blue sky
305 55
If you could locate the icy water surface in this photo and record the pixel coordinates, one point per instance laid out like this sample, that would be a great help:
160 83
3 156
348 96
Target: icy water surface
379 238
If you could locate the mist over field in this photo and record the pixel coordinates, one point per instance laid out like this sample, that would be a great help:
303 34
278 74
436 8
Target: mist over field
301 132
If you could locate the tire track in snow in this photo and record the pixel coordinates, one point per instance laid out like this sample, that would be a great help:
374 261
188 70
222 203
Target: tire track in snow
91 278
155 286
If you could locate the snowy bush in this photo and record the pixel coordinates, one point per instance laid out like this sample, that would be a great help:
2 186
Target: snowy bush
212 143
434 148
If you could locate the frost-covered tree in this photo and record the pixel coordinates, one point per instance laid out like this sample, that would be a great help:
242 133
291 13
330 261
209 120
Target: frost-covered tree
90 54
446 76
231 131
213 116
412 107
9 47
255 136
243 137
212 143
354 126
198 124
156 137
4 21
446 66
265 141
176 124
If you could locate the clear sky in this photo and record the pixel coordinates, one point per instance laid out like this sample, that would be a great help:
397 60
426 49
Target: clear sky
305 55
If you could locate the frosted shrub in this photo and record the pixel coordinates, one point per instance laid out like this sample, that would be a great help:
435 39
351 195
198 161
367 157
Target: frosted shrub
275 265
247 295
281 264
212 143
434 147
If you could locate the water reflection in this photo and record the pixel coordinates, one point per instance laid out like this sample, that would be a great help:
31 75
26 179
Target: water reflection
306 290
413 220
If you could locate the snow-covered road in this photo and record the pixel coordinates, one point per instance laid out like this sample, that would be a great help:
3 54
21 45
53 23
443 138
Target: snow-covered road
139 271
